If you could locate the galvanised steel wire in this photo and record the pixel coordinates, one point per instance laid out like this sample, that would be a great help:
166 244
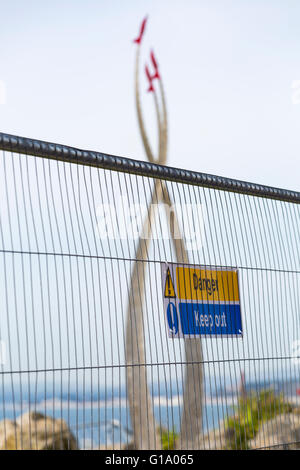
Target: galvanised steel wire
65 290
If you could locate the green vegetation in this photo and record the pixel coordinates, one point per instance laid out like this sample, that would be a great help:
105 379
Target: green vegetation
168 439
250 413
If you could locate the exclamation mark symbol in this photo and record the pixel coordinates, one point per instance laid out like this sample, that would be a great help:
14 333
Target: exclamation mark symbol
169 286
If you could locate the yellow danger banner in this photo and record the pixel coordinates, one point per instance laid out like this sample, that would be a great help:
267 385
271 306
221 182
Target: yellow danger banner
207 284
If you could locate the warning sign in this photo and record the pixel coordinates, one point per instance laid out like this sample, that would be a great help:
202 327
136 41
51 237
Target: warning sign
201 301
169 286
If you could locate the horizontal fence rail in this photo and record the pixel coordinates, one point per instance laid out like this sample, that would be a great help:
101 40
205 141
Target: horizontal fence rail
144 306
68 154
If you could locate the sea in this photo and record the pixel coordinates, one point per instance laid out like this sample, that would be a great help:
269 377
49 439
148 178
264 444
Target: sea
106 422
101 418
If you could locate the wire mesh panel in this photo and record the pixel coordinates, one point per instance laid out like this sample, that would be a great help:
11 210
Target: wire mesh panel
86 358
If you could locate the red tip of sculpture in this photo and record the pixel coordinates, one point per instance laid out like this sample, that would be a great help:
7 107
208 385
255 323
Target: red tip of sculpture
155 65
138 40
150 79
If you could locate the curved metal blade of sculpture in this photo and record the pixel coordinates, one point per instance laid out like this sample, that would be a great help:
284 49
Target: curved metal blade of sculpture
145 431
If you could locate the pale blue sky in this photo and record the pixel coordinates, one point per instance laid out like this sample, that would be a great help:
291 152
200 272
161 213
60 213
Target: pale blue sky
227 66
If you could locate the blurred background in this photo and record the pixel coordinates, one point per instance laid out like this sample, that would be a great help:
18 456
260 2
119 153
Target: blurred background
231 72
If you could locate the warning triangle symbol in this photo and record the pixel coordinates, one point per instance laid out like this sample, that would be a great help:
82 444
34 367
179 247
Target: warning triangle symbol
169 287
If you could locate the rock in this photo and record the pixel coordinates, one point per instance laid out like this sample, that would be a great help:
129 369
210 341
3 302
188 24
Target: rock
7 428
27 418
282 432
119 446
216 439
36 431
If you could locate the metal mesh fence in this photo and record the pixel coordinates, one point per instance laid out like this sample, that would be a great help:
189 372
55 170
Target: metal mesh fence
86 359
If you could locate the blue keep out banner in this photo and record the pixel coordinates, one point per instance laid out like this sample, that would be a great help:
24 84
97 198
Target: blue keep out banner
201 301
205 319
